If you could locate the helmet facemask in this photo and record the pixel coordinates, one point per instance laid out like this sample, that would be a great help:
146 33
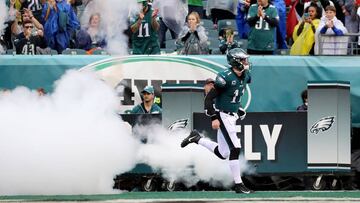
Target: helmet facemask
238 59
242 63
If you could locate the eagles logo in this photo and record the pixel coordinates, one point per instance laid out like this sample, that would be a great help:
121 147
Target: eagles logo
323 124
179 124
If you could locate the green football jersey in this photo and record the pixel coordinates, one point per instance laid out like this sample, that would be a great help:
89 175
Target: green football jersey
231 88
141 109
195 2
262 35
145 40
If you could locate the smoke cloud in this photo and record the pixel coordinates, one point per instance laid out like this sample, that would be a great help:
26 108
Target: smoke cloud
188 165
114 21
70 142
73 142
3 17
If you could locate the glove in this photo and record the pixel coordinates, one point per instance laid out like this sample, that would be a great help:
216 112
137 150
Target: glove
241 113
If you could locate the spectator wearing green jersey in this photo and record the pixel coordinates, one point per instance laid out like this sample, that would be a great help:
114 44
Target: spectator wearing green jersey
148 105
144 29
263 19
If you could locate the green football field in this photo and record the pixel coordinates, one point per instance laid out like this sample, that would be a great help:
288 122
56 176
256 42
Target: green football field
205 196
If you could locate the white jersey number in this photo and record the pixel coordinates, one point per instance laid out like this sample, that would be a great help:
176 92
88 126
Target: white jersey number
143 28
236 94
28 49
259 24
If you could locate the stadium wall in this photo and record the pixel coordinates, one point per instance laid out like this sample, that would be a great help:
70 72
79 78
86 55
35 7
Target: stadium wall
276 85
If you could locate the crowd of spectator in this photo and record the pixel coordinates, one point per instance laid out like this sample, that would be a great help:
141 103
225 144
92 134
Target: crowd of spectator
303 27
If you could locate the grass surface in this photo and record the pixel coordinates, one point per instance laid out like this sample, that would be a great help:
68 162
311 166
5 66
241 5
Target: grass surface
189 195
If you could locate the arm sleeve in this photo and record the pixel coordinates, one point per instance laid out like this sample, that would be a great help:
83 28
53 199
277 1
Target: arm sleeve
338 32
323 30
209 104
272 21
252 20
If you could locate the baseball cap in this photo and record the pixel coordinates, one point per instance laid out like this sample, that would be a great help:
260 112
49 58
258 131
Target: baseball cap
209 80
149 89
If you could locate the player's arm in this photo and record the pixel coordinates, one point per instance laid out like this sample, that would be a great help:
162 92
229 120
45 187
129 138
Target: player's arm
209 104
210 110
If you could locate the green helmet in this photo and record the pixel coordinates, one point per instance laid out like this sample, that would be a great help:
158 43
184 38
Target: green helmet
236 58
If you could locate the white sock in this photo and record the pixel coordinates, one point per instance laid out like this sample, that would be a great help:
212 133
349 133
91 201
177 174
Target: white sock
208 144
235 170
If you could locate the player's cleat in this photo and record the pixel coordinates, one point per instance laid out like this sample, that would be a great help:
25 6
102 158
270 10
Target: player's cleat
241 188
194 137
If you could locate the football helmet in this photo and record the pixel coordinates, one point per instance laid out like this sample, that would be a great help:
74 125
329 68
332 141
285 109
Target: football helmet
238 58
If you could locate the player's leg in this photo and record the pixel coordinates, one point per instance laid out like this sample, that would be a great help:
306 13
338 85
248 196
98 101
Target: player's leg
195 137
213 146
228 129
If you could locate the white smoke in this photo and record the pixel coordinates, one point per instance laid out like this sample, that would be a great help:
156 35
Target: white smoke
3 17
114 21
70 142
188 165
173 13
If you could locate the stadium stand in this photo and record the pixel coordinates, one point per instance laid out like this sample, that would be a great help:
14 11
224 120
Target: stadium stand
226 24
170 44
207 23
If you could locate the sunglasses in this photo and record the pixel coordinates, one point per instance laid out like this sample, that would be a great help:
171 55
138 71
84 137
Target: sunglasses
27 27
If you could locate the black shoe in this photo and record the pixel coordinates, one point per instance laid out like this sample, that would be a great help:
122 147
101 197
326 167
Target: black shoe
194 137
241 188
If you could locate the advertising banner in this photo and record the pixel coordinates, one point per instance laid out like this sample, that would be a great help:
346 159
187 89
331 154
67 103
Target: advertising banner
273 142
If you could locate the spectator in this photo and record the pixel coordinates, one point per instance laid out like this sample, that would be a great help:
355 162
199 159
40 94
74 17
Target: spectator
221 9
263 19
281 27
304 105
352 20
304 32
91 37
331 28
227 41
192 39
13 5
148 105
26 15
209 84
241 22
74 4
172 15
60 22
34 6
144 28
27 45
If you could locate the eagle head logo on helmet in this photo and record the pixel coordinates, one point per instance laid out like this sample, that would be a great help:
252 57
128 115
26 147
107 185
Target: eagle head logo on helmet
238 58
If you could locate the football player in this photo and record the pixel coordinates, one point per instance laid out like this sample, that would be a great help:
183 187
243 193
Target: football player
229 86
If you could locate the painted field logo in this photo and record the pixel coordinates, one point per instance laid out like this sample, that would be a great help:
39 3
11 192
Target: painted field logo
130 74
323 124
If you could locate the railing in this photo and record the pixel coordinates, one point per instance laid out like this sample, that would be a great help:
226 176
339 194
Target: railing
339 45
